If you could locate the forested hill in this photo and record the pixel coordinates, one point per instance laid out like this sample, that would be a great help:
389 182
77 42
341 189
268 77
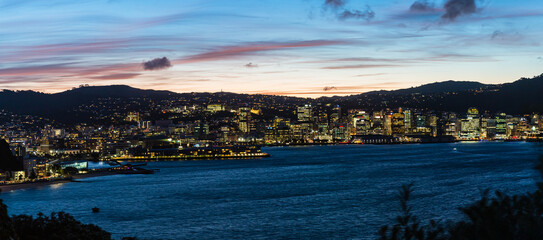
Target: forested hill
518 97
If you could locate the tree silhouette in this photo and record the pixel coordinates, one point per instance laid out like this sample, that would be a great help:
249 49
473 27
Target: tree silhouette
6 225
497 217
8 162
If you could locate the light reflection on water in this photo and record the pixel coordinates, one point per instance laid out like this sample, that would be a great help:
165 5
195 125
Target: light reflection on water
323 192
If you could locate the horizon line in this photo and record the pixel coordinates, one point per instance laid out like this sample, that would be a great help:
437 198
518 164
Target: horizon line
280 94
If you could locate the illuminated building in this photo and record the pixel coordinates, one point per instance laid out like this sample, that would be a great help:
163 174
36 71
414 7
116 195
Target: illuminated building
398 123
304 113
501 126
215 107
133 117
201 130
408 120
470 126
144 124
360 122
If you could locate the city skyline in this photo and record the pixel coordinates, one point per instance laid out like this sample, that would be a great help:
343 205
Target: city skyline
297 48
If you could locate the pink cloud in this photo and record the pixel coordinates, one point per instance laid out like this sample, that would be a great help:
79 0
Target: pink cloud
362 66
117 76
235 51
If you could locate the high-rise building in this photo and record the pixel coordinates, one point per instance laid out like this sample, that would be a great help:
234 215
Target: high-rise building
245 123
388 124
360 122
201 130
398 123
490 128
304 113
470 126
408 120
501 126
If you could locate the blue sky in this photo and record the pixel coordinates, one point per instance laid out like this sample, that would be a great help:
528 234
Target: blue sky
304 48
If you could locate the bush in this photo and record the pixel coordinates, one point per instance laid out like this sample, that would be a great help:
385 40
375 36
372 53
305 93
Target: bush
58 226
497 217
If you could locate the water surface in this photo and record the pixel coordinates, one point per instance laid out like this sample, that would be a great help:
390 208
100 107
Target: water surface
310 192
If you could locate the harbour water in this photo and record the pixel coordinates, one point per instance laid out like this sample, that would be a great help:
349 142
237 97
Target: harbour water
309 192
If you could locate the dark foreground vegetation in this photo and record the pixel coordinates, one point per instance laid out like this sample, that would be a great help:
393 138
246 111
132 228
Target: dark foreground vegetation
492 217
57 226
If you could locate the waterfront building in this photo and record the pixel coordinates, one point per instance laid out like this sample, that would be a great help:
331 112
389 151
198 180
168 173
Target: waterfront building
360 122
470 126
388 123
408 120
398 123
501 126
489 128
378 123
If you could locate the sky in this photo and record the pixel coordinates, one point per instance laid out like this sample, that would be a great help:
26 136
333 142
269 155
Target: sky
306 48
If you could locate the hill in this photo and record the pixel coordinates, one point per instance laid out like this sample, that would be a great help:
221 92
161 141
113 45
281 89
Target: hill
521 96
96 102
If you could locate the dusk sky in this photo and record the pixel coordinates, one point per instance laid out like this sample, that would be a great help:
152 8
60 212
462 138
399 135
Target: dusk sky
303 48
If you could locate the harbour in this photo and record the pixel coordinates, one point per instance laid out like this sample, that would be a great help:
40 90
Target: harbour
331 192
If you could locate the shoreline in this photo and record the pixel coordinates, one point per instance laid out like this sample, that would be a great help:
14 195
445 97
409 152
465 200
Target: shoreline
31 185
395 143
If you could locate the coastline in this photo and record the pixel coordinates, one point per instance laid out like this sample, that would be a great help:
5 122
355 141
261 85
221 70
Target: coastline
30 185
392 143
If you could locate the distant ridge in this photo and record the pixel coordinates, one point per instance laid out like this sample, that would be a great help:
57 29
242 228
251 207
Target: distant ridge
113 91
443 87
521 96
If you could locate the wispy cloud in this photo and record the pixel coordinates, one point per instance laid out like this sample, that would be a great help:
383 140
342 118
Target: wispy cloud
423 6
230 52
366 14
370 75
338 8
62 49
496 34
336 90
117 76
335 4
361 66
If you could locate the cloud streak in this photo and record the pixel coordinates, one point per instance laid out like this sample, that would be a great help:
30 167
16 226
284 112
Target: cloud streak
360 66
366 14
117 76
230 52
